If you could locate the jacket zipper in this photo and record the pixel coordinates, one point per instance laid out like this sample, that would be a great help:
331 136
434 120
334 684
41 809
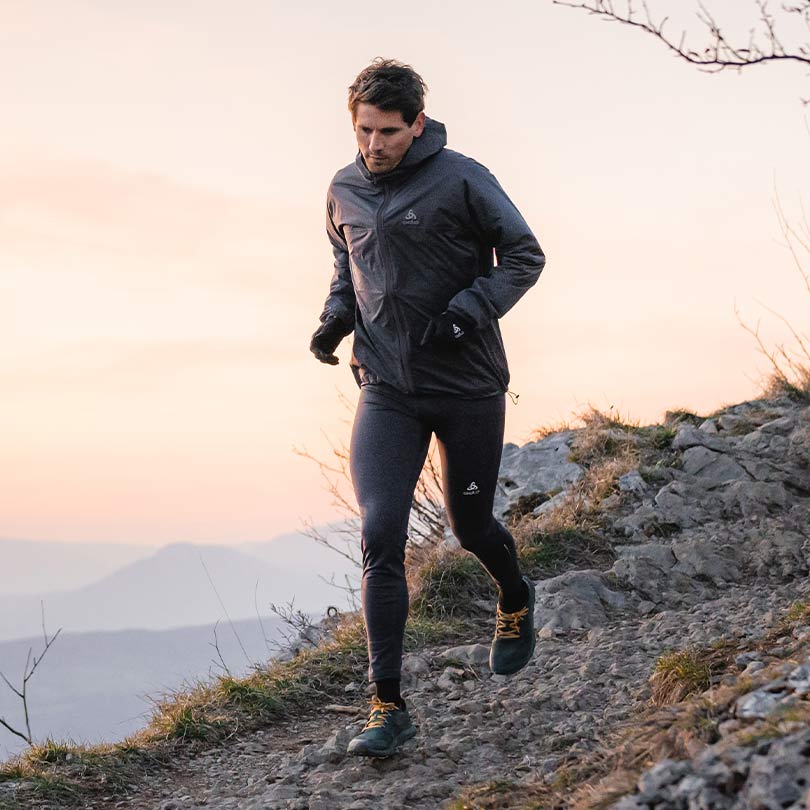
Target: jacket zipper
389 289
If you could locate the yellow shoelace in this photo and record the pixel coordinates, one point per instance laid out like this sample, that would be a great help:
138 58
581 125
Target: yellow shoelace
379 712
508 624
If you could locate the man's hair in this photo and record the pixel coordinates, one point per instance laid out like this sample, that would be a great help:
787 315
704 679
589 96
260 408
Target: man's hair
389 85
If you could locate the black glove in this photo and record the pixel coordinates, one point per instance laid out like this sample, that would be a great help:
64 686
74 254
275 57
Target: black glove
447 329
326 339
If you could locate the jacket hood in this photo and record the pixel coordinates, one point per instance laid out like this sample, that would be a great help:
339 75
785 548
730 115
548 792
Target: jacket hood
432 140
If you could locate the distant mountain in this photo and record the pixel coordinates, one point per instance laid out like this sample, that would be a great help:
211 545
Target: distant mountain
289 550
172 588
31 566
95 687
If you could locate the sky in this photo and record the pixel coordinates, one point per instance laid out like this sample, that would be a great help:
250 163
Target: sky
163 261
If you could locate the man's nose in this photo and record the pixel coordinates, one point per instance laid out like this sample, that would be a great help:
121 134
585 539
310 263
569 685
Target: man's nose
375 142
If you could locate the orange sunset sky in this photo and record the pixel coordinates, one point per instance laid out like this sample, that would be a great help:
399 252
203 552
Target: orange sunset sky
163 170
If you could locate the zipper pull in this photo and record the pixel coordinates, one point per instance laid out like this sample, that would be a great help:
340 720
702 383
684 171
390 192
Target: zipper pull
513 396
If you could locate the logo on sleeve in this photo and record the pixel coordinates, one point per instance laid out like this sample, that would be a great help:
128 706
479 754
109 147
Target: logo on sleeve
472 489
410 218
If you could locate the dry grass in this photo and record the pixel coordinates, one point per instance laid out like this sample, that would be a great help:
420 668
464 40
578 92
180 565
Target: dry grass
63 774
206 713
549 430
602 436
445 584
795 387
583 506
677 675
798 615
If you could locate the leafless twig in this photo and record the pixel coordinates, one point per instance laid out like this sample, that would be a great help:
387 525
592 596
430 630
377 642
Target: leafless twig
215 645
28 672
790 369
300 622
763 45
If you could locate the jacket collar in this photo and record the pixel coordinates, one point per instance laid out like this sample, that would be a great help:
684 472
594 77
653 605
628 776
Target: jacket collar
432 140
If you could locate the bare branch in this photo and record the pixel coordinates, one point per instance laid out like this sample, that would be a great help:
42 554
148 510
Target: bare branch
14 731
28 672
720 53
215 645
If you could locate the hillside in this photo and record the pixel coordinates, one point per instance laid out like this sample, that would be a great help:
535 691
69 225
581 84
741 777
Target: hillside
180 593
672 667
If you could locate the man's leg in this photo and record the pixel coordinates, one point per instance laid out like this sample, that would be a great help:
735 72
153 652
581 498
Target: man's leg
388 449
470 438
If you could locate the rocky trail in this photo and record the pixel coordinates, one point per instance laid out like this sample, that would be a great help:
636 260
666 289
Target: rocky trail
711 553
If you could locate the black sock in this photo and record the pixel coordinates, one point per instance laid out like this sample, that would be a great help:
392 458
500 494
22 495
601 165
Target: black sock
387 690
512 601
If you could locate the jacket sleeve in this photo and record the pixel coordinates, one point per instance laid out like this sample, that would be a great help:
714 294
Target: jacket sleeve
498 224
340 302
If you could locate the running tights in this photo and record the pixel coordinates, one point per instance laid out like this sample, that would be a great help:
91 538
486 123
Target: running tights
389 444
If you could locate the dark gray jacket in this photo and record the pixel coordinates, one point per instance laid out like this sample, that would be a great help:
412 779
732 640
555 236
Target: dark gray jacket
416 241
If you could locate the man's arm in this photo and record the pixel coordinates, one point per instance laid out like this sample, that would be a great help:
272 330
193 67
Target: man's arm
520 258
340 302
337 317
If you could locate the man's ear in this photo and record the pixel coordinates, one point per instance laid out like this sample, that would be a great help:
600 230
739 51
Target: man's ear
418 125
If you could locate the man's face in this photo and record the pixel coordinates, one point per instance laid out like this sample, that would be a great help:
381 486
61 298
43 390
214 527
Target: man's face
384 137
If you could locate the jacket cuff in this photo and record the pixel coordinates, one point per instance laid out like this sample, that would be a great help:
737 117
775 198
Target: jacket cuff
347 326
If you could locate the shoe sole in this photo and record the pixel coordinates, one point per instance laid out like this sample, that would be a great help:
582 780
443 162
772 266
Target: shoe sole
364 751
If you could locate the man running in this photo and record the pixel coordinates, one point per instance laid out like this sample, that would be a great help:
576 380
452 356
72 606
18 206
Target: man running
429 254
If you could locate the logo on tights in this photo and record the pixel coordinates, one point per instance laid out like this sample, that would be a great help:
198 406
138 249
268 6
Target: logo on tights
472 489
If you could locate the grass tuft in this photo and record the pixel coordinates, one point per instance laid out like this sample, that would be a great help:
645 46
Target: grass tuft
679 674
797 615
678 416
544 553
796 389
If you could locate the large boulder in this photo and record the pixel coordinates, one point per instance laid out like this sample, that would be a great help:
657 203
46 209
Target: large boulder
576 600
535 471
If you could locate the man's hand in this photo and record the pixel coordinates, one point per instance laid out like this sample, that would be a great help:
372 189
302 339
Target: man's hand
326 339
447 329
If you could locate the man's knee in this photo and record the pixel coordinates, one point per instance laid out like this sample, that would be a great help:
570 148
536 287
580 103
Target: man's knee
472 533
382 539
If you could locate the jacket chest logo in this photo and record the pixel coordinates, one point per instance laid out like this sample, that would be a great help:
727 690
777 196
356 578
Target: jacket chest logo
410 218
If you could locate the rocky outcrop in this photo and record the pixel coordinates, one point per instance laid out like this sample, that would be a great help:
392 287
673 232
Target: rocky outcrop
761 761
531 475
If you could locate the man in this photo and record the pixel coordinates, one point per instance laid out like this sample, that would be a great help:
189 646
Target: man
413 228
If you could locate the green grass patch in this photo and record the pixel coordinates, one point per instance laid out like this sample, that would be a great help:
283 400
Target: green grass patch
678 674
62 774
657 437
545 553
797 615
